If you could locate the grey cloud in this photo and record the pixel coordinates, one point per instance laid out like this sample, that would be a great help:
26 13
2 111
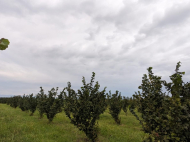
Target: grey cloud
53 43
12 8
176 15
91 36
87 7
127 19
182 41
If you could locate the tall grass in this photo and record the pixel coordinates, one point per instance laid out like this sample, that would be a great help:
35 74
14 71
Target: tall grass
18 126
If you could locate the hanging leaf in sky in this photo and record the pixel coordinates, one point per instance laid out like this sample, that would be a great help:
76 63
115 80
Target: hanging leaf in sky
4 43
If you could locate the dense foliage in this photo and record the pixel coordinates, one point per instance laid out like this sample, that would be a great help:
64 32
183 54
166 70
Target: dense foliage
84 109
41 102
53 105
23 103
14 102
164 116
125 104
32 104
50 104
115 106
4 43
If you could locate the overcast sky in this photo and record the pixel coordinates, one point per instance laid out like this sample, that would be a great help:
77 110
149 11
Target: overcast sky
56 41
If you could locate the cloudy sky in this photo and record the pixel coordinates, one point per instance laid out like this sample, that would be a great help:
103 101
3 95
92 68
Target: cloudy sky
56 41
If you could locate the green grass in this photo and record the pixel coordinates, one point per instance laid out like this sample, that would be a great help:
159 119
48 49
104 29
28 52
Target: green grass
18 126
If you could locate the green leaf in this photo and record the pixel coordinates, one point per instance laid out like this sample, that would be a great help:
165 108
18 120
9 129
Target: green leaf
4 43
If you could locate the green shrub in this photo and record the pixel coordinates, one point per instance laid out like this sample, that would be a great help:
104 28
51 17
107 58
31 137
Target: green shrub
32 102
53 105
125 104
14 101
115 106
23 103
84 109
41 102
164 118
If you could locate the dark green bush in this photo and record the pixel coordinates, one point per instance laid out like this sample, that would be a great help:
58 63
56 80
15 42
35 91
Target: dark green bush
84 109
50 104
115 106
32 102
23 103
53 105
125 104
14 101
41 102
164 118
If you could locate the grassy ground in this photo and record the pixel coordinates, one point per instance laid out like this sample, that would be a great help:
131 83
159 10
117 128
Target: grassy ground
18 126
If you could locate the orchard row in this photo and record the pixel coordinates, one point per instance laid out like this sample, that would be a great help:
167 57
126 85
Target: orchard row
84 106
165 118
